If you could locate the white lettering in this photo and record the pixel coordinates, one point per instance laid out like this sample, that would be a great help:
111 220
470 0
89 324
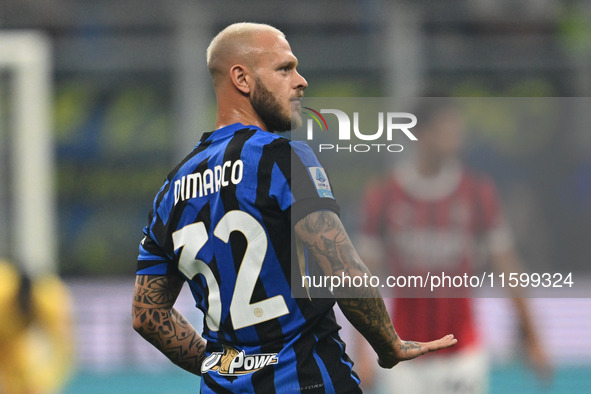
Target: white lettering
310 129
344 122
361 148
217 170
404 127
237 362
182 188
209 181
249 362
262 361
194 180
398 147
371 137
378 146
177 191
237 169
226 164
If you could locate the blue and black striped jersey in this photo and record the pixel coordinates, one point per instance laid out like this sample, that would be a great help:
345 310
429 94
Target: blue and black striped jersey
223 219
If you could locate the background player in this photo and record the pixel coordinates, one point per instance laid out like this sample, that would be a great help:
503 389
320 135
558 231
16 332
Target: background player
222 222
35 333
432 214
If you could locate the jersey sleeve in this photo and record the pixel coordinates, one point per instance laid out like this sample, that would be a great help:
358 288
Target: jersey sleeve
300 183
152 258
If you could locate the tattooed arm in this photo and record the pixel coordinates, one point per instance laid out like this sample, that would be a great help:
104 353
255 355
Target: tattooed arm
155 319
324 235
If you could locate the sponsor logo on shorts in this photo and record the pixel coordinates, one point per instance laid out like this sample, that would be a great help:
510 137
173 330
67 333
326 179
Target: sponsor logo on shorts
234 362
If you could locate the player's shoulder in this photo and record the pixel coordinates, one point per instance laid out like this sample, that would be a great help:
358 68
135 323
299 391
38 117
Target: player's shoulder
479 186
477 178
271 141
242 137
301 147
303 153
283 147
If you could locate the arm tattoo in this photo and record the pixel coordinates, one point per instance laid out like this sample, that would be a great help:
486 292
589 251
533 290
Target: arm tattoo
324 235
160 324
327 239
370 317
156 291
405 346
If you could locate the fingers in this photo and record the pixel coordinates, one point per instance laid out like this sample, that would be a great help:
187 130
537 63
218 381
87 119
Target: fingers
410 349
407 350
442 343
540 363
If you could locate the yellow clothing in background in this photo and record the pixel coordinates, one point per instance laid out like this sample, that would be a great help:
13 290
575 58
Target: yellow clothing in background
35 348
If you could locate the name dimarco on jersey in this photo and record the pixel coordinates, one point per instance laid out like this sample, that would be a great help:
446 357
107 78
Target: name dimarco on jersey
210 181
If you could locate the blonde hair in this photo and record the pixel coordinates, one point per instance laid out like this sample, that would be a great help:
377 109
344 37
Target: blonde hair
235 39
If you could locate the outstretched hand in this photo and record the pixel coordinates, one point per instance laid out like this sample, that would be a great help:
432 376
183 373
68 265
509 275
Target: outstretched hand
538 359
407 350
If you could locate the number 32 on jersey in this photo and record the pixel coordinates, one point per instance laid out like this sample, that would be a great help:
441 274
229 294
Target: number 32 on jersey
243 314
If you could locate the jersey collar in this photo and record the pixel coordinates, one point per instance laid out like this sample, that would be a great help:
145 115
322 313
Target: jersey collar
226 131
429 188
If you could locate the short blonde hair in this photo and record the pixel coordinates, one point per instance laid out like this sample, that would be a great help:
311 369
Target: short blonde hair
235 39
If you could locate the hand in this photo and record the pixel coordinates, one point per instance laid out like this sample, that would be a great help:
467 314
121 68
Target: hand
538 360
407 350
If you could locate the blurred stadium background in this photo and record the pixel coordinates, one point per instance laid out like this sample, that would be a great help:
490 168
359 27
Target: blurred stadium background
129 95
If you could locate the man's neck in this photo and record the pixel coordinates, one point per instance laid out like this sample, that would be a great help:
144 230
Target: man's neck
430 166
245 114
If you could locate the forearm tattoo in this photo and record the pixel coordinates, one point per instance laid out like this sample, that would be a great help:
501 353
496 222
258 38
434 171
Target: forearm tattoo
326 238
324 235
370 317
160 324
405 346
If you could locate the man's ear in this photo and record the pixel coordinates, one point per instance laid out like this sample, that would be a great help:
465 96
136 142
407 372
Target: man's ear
241 78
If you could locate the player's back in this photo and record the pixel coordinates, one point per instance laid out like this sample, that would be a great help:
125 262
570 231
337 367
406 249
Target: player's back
234 233
224 218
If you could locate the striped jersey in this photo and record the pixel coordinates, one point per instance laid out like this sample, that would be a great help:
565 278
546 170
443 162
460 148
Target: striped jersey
434 225
223 219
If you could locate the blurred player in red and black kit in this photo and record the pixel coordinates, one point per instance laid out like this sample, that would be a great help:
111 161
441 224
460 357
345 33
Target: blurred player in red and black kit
431 214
